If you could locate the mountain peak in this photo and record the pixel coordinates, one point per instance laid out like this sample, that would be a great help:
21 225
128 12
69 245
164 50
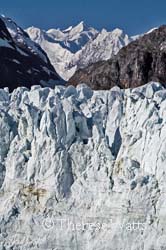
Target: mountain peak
117 32
80 27
23 62
129 68
68 29
2 15
81 24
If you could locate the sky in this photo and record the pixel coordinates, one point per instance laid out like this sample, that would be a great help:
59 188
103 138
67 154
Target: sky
133 16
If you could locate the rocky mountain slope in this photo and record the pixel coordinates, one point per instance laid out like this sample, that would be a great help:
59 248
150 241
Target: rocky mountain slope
77 47
82 169
22 62
141 61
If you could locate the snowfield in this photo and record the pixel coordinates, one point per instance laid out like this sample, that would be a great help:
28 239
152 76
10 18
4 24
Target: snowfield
83 170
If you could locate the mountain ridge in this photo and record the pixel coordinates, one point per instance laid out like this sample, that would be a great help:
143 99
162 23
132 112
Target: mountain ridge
23 63
78 46
139 62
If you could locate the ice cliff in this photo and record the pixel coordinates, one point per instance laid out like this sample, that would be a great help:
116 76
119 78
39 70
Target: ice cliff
83 169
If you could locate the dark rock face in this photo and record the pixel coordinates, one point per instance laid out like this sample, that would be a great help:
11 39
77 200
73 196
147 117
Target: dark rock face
20 65
141 61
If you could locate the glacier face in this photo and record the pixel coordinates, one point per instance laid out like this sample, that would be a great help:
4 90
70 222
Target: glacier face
83 169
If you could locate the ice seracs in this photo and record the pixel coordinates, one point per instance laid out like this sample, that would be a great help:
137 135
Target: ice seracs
73 156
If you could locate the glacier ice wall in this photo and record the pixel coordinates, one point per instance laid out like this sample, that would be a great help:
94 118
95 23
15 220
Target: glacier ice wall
83 169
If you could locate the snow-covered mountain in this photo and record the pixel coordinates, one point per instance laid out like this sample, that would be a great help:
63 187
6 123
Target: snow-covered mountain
141 61
78 46
61 46
22 62
103 47
60 57
73 38
20 37
83 169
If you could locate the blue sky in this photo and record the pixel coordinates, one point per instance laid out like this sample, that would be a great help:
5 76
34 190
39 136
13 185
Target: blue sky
133 16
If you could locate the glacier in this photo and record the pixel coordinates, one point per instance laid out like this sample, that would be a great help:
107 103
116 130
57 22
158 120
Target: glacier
83 169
